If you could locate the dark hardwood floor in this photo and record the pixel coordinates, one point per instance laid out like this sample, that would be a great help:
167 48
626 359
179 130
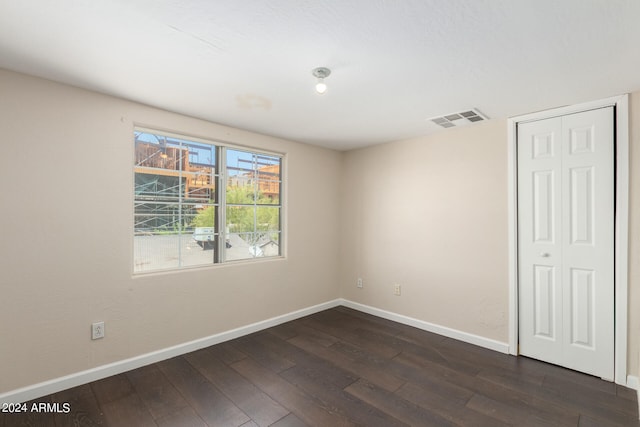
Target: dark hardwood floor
342 367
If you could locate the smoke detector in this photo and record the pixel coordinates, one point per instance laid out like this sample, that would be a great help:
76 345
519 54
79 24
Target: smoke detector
463 118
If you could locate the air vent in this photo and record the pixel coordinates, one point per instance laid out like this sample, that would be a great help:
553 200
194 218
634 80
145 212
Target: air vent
463 118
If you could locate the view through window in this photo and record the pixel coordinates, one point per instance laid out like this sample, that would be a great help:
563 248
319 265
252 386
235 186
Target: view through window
182 219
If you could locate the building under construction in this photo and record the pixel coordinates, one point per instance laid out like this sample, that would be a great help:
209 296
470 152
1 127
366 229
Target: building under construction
171 184
176 179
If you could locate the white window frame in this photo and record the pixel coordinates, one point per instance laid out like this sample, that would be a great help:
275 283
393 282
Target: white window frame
220 217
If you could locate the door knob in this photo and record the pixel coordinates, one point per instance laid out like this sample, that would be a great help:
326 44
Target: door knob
545 254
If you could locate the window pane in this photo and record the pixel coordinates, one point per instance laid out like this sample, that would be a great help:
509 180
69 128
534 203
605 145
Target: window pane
200 225
253 205
267 218
268 174
155 252
160 152
241 219
156 217
241 193
174 211
201 155
200 186
239 162
156 232
268 193
241 239
253 231
238 246
200 173
252 178
250 245
150 186
200 236
176 197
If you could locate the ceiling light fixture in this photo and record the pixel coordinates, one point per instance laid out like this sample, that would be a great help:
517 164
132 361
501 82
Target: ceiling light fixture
321 73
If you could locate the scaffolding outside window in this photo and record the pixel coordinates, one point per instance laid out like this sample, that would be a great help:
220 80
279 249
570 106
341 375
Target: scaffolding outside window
182 219
252 204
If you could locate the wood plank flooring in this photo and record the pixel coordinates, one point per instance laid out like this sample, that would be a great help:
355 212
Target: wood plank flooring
342 367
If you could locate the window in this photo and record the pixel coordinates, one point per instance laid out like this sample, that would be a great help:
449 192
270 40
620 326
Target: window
252 204
181 216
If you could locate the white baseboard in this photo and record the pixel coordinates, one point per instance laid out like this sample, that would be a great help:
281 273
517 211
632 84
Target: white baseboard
490 344
632 382
58 384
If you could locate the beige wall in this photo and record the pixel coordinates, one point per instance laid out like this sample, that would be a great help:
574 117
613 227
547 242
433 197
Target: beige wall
431 214
66 246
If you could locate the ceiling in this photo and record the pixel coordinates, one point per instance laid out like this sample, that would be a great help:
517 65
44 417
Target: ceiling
395 64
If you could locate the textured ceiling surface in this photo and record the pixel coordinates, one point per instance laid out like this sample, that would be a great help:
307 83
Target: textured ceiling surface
394 64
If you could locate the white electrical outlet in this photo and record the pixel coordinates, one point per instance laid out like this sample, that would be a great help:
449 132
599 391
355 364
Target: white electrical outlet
396 289
97 330
359 283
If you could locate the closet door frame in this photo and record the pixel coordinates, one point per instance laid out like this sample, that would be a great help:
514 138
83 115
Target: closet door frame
621 108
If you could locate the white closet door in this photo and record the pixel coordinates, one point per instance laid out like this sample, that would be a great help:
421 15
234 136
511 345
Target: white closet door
566 241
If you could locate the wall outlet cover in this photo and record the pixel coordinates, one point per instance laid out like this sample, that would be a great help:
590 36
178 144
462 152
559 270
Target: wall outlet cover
97 330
